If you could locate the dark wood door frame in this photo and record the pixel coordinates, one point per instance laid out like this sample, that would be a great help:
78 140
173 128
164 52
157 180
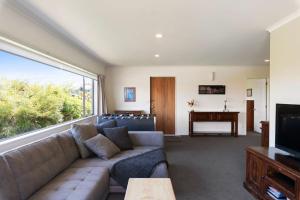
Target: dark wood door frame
250 115
162 103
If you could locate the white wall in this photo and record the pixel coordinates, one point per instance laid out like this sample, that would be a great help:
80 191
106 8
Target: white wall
187 80
17 24
284 69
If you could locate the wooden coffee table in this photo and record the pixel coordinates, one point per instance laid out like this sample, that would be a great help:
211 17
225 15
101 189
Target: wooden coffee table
149 189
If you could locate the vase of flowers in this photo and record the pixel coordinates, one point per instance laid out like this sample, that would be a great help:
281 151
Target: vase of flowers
191 104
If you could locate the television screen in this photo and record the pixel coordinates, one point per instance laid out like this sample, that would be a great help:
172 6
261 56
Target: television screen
288 128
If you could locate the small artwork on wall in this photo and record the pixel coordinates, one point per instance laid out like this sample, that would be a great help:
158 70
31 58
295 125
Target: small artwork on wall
249 92
129 94
211 89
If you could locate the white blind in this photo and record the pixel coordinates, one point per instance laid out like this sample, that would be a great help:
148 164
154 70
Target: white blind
27 52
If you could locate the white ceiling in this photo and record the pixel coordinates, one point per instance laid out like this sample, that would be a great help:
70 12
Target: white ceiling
196 32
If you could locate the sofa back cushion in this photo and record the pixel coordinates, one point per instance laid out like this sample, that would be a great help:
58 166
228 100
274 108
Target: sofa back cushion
81 133
35 164
119 136
69 147
8 185
106 124
102 146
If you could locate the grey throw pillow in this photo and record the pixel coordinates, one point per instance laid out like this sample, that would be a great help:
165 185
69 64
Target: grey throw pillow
81 133
119 136
102 147
107 124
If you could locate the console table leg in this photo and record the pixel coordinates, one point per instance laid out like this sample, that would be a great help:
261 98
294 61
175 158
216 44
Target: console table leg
232 128
191 129
236 128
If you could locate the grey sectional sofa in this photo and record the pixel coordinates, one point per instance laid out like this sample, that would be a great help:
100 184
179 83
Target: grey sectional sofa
51 169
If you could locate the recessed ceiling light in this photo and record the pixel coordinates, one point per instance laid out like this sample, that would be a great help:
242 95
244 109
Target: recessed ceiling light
156 55
267 60
158 35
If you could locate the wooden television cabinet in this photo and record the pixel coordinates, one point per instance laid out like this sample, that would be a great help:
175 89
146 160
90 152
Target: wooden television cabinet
272 167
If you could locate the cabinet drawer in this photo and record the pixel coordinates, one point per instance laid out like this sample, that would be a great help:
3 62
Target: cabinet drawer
225 117
202 117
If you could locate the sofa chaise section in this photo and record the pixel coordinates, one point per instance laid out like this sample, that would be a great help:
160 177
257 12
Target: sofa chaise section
143 141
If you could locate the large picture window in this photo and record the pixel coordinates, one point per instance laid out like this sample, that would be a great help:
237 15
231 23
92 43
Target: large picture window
34 95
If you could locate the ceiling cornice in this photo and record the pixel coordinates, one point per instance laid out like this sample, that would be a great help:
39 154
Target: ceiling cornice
284 21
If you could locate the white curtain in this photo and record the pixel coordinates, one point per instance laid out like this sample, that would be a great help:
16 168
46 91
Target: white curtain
102 107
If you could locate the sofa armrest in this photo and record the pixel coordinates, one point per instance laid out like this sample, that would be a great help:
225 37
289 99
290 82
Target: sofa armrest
147 138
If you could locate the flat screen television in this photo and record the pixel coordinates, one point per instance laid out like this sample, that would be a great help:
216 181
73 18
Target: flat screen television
288 128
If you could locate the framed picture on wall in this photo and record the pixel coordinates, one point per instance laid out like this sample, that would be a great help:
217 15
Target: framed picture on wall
129 94
249 92
212 89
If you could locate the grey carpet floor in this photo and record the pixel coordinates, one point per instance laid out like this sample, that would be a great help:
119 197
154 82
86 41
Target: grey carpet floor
207 168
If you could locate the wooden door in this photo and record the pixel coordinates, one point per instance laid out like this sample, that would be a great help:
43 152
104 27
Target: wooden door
162 100
250 115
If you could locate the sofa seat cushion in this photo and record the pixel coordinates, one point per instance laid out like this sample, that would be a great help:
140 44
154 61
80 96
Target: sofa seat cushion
86 183
96 162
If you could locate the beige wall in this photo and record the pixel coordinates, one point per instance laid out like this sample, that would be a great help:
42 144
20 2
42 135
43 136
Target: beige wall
284 69
187 80
19 25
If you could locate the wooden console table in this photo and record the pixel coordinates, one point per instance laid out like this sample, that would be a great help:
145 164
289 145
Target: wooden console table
232 117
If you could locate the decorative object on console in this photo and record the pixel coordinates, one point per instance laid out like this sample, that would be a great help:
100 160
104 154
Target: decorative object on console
191 104
225 105
211 89
129 94
249 92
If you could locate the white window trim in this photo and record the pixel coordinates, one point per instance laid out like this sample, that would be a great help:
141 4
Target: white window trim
29 137
27 52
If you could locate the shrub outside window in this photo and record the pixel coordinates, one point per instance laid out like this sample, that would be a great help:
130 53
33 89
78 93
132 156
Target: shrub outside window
35 95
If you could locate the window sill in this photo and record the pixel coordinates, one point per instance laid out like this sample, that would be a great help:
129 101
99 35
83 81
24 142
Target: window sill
20 140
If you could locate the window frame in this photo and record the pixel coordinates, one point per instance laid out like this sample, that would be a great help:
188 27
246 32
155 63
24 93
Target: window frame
18 49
